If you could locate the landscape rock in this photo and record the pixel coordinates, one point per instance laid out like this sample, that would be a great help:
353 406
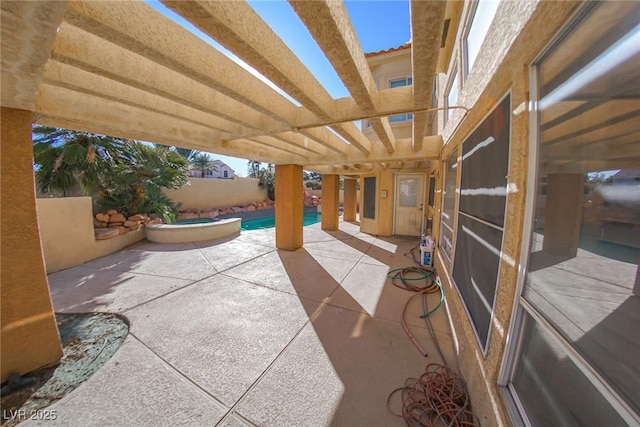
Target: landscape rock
123 230
101 217
135 227
99 224
154 221
106 233
138 217
117 218
131 223
112 212
251 208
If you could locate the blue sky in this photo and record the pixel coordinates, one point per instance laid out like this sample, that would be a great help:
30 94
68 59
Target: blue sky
379 25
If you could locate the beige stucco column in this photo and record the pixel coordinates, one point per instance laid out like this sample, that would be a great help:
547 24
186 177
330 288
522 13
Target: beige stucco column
289 207
563 213
29 333
350 200
330 201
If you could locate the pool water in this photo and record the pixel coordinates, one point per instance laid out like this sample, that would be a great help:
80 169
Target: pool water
270 222
194 221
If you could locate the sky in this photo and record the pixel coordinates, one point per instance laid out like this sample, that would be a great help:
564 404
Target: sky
379 25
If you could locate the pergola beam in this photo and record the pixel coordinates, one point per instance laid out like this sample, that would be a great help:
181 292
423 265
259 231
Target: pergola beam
240 29
57 106
84 82
427 18
140 29
404 151
84 50
28 31
329 24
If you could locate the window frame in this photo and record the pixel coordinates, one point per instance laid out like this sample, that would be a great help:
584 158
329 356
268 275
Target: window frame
464 48
450 83
521 307
407 117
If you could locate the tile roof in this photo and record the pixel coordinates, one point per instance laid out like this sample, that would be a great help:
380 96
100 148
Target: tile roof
393 49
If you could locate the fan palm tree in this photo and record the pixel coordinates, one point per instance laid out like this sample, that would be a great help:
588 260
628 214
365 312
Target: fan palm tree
138 176
187 153
203 163
70 162
253 167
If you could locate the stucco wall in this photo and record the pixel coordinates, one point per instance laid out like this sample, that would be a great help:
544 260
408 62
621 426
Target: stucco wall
66 232
382 225
519 32
205 193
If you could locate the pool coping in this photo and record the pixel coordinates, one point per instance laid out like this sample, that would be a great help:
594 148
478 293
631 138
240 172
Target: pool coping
187 233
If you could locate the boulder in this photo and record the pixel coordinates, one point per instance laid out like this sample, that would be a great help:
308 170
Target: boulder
123 230
116 224
237 209
112 212
99 224
251 208
114 218
106 233
131 223
138 217
154 221
101 217
135 227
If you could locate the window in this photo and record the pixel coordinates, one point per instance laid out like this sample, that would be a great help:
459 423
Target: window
483 198
448 206
452 95
481 16
432 191
576 329
405 81
225 174
369 210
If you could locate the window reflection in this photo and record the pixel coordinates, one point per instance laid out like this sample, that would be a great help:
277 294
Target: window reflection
448 205
583 268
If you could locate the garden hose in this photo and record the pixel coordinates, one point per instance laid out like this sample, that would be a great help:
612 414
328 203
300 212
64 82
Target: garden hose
422 281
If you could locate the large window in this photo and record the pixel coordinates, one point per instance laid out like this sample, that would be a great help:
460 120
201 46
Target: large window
480 18
369 195
404 81
448 206
483 197
576 352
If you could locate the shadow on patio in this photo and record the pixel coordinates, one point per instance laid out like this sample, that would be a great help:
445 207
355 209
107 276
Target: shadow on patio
235 332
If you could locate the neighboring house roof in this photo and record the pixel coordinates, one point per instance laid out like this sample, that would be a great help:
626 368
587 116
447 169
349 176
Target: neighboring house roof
221 163
393 49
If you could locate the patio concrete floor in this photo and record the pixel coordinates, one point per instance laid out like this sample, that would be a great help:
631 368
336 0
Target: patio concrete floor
234 332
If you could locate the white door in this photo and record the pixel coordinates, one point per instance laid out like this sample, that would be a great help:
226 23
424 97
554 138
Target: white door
409 204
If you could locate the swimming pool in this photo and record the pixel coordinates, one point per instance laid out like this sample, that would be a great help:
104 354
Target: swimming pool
270 222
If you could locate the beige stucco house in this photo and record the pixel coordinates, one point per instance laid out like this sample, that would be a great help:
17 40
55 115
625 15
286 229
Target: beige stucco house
511 107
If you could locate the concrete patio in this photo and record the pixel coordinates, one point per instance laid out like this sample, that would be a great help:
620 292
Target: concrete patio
235 332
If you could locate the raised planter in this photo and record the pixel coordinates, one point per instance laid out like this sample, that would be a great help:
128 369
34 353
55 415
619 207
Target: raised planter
186 233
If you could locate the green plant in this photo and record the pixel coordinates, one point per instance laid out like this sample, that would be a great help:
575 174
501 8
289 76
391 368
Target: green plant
314 185
268 181
203 163
68 162
139 174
